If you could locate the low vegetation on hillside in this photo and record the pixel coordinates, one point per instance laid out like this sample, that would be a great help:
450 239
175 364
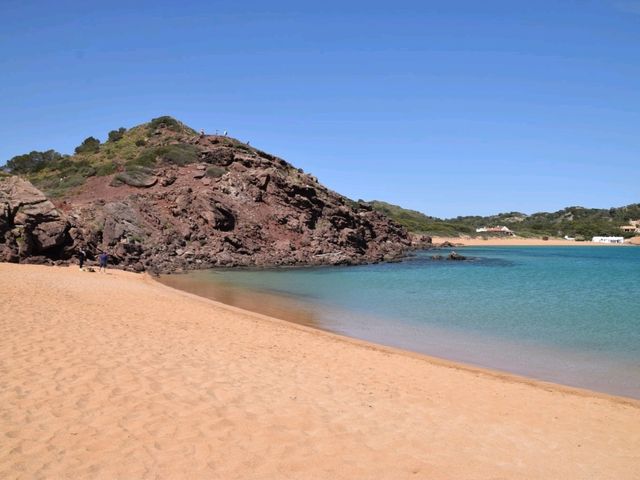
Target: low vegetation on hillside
133 154
124 152
578 222
415 221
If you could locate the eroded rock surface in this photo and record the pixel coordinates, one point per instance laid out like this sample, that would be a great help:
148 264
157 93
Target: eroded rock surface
30 225
238 206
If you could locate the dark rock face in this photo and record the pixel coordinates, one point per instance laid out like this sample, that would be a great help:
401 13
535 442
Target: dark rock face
30 225
253 210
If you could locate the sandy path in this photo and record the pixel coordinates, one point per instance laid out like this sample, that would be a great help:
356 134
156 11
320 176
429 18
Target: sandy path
116 376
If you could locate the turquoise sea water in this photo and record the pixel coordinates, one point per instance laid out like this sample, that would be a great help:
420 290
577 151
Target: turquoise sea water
564 314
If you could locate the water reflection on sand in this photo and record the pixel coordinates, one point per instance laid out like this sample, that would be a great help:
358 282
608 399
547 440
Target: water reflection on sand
281 307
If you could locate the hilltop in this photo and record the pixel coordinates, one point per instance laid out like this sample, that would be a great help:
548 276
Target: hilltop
578 222
162 197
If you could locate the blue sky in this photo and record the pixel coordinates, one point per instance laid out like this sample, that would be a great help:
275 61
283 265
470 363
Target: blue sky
447 107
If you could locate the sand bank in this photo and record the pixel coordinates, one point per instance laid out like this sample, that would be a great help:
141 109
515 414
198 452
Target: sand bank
516 241
117 376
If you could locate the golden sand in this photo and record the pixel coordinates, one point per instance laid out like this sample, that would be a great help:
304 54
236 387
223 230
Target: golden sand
116 376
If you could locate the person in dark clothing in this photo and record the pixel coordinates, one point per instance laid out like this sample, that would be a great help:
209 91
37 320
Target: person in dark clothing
82 256
103 258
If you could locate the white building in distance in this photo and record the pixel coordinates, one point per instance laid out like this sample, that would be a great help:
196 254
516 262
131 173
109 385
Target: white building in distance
497 229
608 239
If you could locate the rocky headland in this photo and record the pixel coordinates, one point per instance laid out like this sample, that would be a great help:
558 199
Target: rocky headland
164 198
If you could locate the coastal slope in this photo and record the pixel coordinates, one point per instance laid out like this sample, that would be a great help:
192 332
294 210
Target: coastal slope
160 197
116 376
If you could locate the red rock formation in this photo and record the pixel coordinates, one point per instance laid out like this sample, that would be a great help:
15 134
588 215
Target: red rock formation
30 225
236 206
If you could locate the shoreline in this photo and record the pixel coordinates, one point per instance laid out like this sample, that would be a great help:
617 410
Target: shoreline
431 359
520 242
117 375
299 312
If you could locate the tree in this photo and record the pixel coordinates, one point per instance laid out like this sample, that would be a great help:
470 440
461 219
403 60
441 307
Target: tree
115 135
164 121
33 161
89 145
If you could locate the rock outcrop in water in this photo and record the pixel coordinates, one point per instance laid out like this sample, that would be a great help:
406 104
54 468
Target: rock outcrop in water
228 205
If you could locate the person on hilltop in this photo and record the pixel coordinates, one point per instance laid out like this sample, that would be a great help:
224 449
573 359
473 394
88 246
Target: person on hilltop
103 258
201 132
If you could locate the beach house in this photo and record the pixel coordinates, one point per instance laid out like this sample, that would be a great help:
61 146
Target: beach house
608 239
633 227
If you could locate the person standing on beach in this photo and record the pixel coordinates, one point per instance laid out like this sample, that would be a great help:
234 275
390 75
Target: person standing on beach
103 258
82 256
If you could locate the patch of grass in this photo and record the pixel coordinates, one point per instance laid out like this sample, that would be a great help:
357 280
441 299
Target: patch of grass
147 158
62 176
106 169
216 172
178 154
65 184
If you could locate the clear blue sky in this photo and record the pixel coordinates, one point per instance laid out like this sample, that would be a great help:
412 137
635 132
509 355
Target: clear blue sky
448 107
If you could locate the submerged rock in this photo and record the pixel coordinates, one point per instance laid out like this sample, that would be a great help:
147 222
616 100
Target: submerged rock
456 256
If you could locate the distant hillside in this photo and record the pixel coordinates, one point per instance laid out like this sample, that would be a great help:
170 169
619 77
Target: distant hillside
573 221
415 221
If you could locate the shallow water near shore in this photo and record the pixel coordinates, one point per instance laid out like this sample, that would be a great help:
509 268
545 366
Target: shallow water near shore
568 315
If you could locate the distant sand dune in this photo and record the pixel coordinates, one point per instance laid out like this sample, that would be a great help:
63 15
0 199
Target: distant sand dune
116 376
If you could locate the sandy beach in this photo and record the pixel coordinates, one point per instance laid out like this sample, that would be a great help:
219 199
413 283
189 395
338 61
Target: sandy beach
117 376
519 241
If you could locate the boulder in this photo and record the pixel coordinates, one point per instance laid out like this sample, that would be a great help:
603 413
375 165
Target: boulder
446 244
419 240
168 180
30 225
139 179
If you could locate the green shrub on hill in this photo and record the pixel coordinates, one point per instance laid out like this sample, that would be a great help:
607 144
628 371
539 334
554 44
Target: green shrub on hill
165 121
88 145
115 135
105 169
33 161
177 154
